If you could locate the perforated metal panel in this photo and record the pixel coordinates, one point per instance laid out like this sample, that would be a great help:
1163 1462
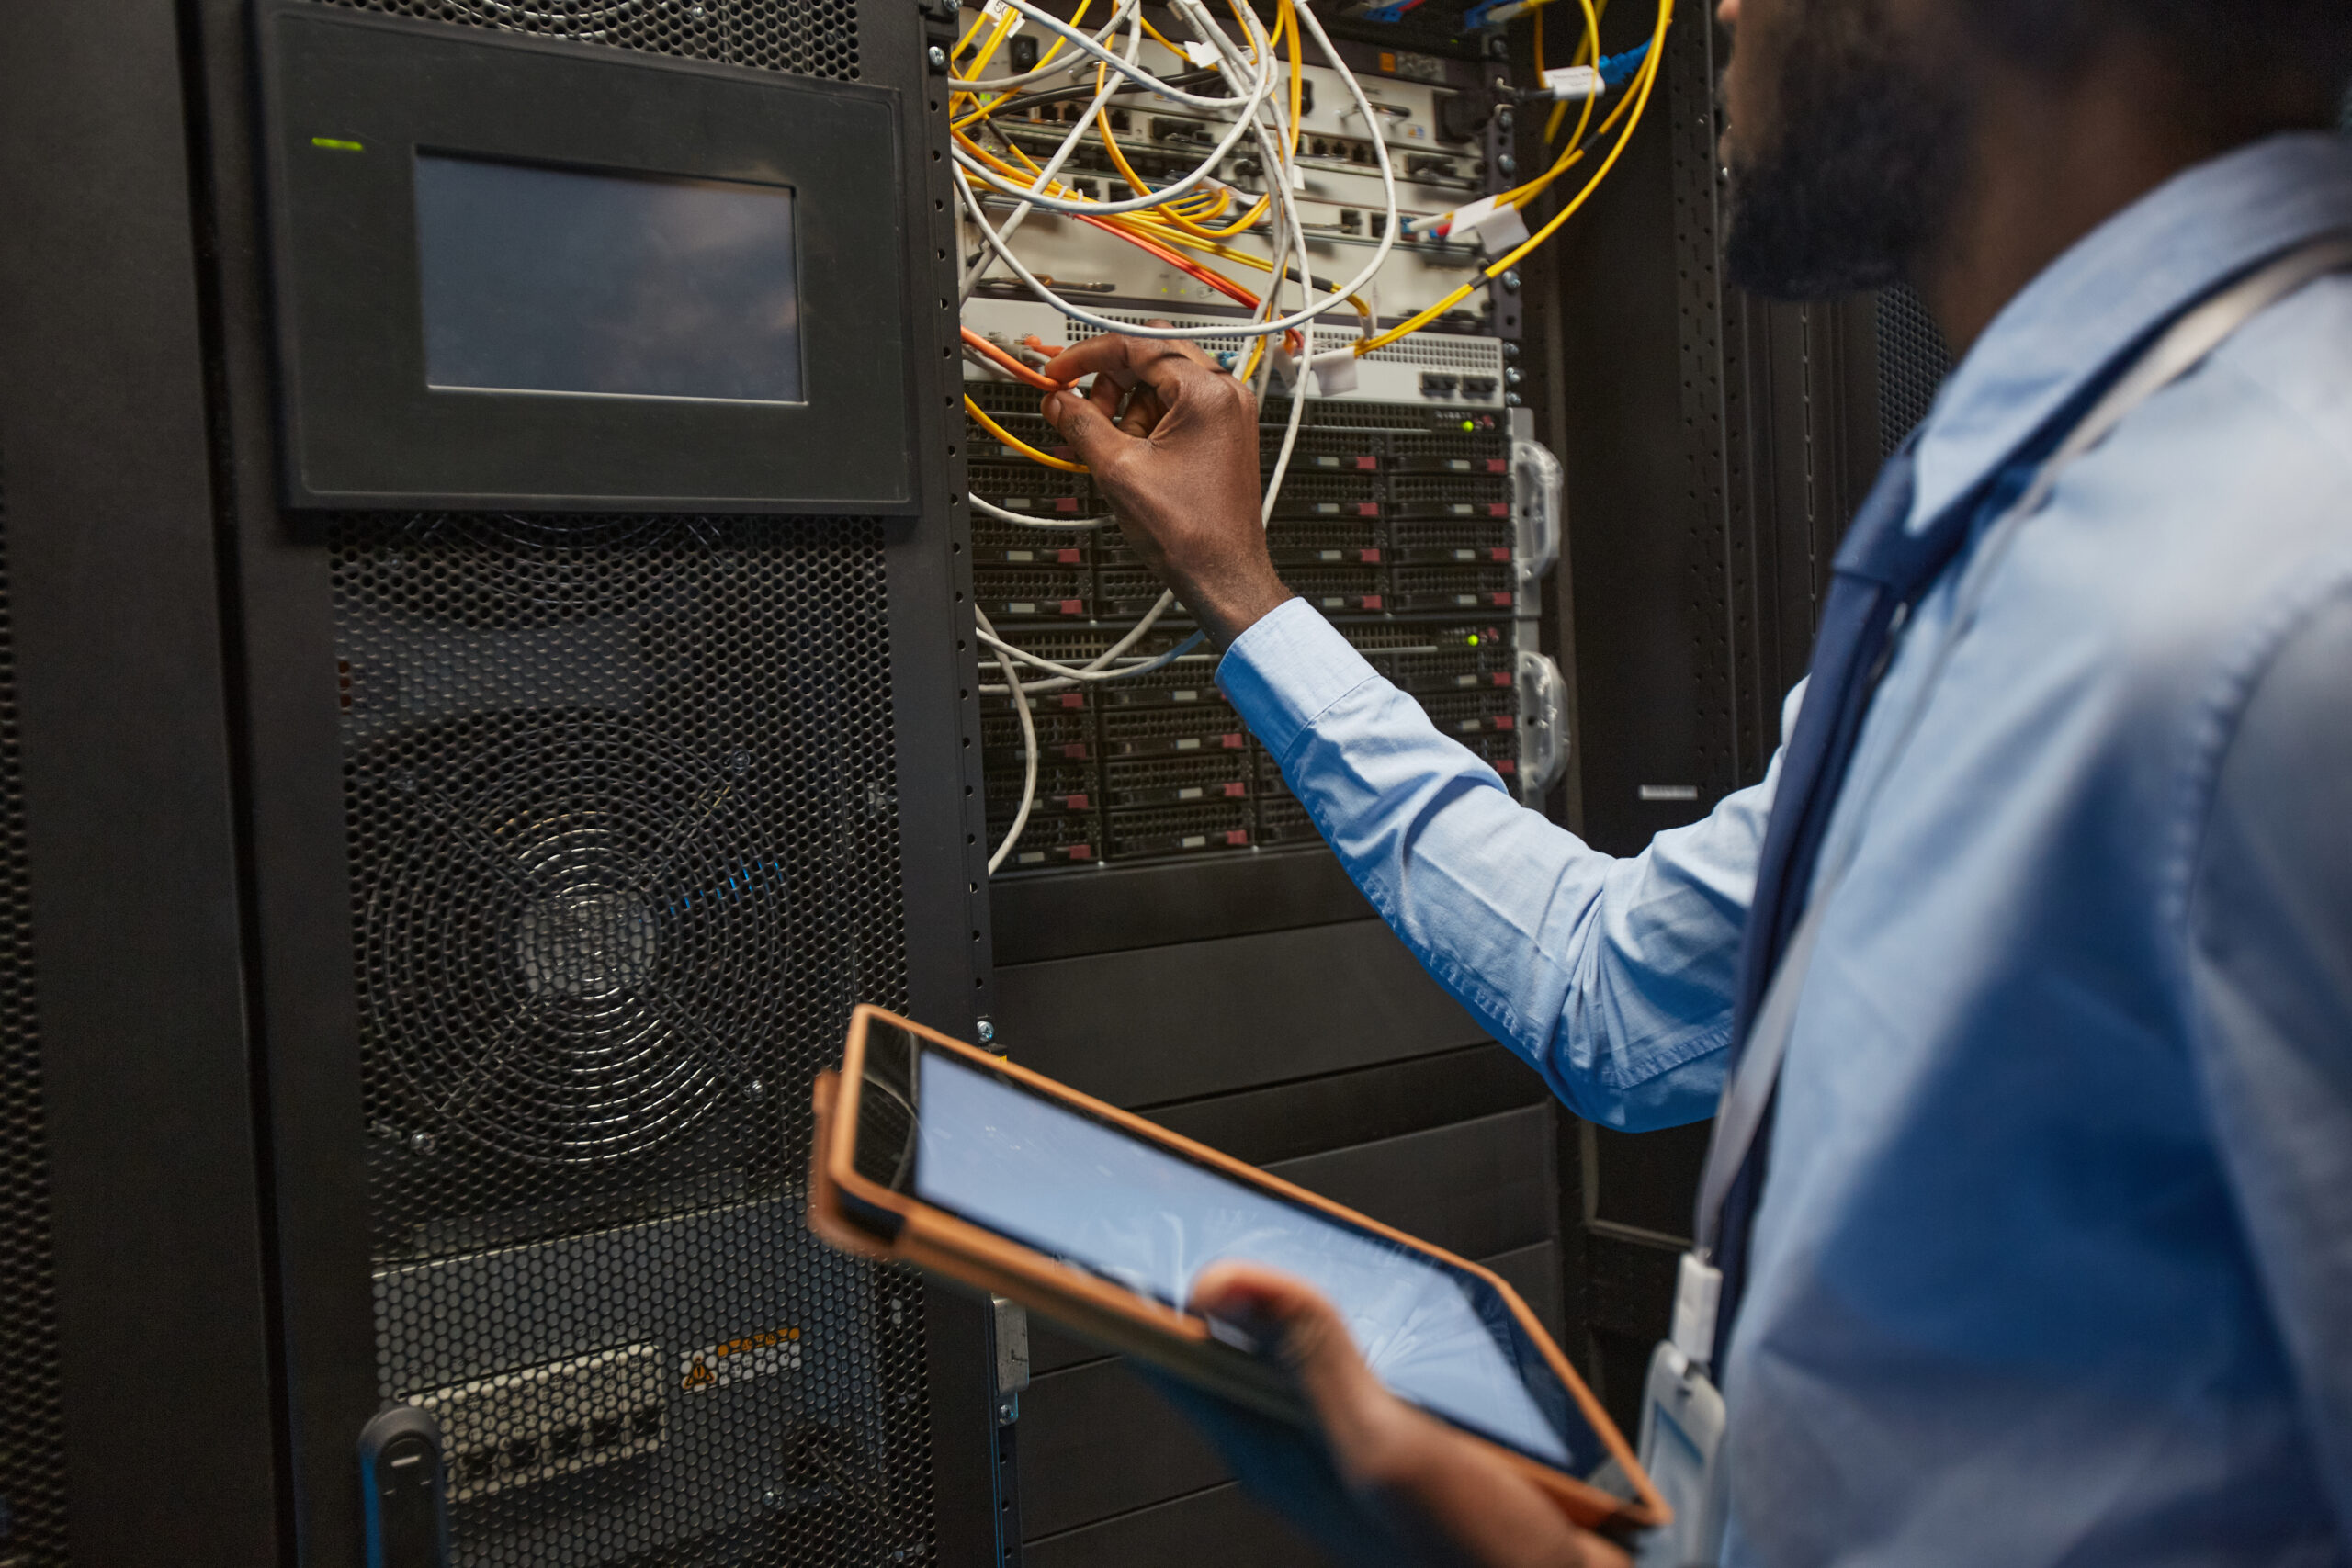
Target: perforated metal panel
32 1415
1912 365
620 797
803 38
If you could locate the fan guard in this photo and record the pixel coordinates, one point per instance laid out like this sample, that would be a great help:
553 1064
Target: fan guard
573 953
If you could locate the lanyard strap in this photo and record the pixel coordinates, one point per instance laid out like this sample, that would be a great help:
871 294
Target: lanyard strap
1748 1092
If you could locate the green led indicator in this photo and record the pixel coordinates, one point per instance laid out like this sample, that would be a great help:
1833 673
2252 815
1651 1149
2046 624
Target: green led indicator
1468 425
336 144
1474 639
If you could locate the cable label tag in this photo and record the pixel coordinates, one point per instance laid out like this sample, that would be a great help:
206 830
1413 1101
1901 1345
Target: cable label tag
1469 216
996 11
1203 55
1573 82
1494 227
1502 229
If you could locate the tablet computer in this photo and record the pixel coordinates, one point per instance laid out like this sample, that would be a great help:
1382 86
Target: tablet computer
970 1167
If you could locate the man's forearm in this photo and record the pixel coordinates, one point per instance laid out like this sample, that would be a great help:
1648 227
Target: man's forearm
1613 977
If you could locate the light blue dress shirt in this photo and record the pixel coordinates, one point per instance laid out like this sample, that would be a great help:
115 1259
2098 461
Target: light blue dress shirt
2053 1262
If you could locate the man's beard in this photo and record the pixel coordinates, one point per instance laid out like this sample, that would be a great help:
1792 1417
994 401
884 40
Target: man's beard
1865 161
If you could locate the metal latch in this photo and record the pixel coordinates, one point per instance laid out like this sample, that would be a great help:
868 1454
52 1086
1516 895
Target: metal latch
1535 489
1011 1356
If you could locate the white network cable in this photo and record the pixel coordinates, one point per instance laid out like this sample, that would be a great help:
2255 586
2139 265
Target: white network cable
1257 109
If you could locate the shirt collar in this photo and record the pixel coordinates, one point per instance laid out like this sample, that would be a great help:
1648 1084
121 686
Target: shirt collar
2119 284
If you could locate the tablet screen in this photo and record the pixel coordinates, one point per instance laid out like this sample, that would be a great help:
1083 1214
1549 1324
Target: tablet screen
1089 1193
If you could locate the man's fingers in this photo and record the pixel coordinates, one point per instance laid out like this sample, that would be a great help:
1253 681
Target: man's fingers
1105 394
1466 1494
1143 415
1084 425
1128 360
1185 348
1348 1400
1113 355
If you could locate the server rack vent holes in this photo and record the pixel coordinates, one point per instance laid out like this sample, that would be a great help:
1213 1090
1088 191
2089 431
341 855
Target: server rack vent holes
808 37
1476 355
620 806
32 1411
1913 361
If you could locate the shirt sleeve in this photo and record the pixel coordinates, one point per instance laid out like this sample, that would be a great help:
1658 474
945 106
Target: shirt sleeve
2270 968
1613 977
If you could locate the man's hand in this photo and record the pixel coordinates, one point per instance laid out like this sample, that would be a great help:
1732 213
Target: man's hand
1425 1478
1173 441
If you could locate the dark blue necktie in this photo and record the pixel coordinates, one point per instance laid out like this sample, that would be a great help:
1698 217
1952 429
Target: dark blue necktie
1881 566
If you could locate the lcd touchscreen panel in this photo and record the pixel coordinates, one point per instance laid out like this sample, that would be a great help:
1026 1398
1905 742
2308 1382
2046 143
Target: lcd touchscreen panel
1095 1197
543 279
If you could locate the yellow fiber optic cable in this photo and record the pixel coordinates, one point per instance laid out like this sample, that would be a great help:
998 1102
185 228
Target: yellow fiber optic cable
1638 100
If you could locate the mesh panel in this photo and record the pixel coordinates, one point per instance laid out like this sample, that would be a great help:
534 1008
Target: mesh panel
1912 365
623 852
32 1416
804 38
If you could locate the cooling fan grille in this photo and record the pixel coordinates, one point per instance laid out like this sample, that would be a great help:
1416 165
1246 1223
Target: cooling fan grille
624 844
579 949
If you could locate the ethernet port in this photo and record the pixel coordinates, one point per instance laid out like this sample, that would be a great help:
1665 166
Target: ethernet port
1434 385
1379 223
1351 220
1479 386
1359 152
1122 121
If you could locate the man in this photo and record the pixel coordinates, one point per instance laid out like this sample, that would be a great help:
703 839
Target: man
2054 1261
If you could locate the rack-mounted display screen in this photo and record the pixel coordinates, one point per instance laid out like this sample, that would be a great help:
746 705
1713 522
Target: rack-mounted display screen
521 274
548 280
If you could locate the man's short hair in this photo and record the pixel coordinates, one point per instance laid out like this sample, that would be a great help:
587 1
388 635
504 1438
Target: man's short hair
2290 53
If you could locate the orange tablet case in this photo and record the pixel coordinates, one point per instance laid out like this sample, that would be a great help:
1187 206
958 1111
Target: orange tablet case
939 1243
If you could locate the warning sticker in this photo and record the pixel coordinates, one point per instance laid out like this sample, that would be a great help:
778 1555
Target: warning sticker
754 1356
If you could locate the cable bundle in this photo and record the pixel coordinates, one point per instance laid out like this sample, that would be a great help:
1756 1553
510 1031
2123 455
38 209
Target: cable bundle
1254 86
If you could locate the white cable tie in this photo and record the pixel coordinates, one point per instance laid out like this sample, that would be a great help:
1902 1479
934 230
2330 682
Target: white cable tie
1335 372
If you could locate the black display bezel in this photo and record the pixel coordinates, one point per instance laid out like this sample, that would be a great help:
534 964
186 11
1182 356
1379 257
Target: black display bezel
1569 1420
353 98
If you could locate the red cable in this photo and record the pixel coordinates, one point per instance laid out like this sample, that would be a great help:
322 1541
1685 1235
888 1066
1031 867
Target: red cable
1217 281
1223 285
1013 366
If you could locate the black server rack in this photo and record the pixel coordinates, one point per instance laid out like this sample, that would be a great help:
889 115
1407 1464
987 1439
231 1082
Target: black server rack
32 1408
431 915
1172 934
